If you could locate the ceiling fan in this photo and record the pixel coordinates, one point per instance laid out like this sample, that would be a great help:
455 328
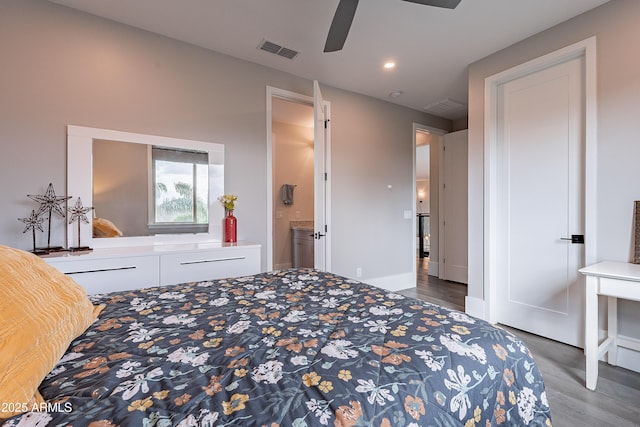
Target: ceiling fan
346 11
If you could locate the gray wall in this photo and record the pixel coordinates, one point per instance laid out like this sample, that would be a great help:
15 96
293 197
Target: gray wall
615 24
60 67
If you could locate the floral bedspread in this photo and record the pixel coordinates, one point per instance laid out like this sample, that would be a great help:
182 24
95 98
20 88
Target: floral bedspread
289 348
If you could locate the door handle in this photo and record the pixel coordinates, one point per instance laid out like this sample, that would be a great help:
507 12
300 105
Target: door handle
318 236
575 239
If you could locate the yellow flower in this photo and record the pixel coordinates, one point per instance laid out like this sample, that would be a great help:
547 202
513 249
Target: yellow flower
512 397
145 345
459 329
145 312
477 413
470 423
240 372
213 342
344 374
229 201
140 405
236 403
160 395
311 379
398 333
326 386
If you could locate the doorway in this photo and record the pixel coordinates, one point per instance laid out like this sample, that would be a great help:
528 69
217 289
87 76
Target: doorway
427 142
423 197
293 193
297 180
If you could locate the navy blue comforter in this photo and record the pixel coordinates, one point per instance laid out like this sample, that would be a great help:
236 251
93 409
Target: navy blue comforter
289 348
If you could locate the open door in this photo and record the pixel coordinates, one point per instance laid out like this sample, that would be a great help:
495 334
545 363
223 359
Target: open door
320 179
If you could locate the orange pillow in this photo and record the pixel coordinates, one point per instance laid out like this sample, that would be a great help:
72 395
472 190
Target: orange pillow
105 228
41 312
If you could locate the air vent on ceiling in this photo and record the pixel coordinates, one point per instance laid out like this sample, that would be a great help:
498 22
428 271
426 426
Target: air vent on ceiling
444 107
277 49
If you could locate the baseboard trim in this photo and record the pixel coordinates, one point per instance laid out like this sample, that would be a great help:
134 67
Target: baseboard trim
474 307
395 282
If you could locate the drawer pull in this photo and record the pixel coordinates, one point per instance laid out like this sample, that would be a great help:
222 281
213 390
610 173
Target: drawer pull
212 260
101 270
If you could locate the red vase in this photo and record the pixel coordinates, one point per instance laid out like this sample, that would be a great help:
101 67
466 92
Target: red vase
230 227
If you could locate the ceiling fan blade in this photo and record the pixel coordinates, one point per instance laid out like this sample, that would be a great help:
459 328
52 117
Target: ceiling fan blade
340 25
447 4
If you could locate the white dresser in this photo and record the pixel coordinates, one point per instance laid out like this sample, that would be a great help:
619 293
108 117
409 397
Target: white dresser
122 268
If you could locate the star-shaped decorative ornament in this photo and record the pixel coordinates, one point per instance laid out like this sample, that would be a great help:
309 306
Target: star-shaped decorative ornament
49 201
32 223
79 214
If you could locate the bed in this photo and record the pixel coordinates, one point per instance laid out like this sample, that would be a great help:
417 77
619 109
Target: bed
287 348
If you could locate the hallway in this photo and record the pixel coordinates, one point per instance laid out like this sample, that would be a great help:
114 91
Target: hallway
431 289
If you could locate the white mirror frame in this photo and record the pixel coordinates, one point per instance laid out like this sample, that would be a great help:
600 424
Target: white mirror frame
80 184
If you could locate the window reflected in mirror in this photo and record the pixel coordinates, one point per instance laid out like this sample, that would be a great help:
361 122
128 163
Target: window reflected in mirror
180 185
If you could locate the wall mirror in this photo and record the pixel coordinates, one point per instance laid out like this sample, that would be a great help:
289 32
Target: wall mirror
144 189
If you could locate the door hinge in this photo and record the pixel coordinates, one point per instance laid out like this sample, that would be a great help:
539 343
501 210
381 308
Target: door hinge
325 176
325 228
326 122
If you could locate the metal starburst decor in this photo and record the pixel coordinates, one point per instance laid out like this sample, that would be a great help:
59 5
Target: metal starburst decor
50 203
32 223
79 214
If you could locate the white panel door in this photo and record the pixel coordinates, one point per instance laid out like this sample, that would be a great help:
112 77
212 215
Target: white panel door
540 202
454 236
320 180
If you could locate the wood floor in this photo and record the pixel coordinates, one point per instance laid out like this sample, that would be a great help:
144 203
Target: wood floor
616 400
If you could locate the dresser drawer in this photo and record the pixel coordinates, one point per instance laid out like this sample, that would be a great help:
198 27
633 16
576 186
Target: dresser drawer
208 265
111 274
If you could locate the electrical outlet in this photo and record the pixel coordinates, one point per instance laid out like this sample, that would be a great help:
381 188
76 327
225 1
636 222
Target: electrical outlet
358 272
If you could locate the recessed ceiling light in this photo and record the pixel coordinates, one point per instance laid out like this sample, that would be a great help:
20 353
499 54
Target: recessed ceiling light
389 65
395 94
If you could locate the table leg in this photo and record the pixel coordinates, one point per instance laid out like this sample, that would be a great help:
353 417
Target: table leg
591 331
612 330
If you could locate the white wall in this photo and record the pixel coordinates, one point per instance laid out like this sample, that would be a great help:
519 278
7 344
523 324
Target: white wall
615 24
62 66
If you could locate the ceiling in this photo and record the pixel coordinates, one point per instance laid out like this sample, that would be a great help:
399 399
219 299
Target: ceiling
432 47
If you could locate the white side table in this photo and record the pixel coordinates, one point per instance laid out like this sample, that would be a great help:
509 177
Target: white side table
613 280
